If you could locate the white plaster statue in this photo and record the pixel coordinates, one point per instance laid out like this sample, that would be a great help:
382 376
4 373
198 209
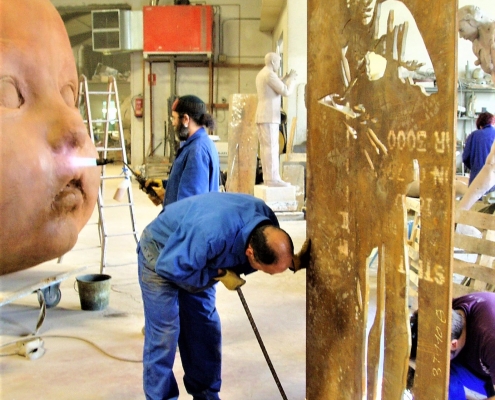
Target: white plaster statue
45 199
479 28
271 88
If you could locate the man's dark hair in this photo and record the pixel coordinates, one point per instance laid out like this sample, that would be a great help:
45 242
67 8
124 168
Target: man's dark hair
457 325
195 108
455 333
261 251
484 119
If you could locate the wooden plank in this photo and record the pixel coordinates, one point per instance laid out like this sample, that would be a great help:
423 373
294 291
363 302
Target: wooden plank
290 142
474 245
243 143
476 219
479 272
364 137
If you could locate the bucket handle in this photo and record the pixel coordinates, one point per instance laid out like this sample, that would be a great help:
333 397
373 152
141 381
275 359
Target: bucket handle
75 281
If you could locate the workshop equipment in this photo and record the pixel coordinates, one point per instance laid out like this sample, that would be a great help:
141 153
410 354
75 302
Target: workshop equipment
147 189
94 291
112 116
260 341
43 279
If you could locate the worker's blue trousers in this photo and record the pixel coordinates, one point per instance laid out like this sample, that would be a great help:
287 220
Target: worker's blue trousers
175 316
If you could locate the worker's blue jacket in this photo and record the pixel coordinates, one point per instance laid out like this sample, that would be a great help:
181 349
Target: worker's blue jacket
192 238
196 169
476 150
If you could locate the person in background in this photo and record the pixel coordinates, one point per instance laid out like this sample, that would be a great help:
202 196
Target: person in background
478 145
196 168
270 89
481 184
45 197
472 354
191 245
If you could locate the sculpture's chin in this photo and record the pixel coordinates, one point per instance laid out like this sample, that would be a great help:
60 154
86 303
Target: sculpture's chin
23 250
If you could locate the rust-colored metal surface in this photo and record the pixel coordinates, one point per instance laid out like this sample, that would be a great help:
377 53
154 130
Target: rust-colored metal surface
366 135
243 143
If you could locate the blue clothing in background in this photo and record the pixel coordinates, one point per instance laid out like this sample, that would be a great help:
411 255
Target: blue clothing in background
461 376
196 169
179 254
477 147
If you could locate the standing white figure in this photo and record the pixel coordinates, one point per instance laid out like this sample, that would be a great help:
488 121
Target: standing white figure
270 88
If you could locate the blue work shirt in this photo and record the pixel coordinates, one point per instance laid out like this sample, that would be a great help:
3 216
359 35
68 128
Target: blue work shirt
196 169
196 236
476 150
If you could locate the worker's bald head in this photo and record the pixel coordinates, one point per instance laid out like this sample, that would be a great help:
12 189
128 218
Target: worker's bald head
270 249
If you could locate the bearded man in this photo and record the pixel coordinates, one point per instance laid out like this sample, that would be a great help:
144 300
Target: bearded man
196 168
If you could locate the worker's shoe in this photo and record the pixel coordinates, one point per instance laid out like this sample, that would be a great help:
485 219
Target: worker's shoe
277 183
301 259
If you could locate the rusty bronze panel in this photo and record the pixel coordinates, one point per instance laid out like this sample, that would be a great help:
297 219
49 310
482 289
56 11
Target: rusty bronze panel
369 136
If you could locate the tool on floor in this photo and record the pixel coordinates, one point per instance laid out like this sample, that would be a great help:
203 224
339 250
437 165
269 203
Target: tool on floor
260 341
31 348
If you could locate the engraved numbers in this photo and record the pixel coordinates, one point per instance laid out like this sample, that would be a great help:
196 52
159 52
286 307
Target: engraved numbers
418 141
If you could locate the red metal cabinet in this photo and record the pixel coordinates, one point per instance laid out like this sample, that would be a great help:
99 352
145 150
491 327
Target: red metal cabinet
178 29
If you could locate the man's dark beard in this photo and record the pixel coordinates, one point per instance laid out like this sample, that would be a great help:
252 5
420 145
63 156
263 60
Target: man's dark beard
182 131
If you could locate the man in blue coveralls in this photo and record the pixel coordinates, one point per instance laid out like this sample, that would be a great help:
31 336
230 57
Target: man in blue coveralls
196 168
182 254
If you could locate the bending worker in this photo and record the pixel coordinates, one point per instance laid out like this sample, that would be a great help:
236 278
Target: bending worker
196 168
182 254
472 347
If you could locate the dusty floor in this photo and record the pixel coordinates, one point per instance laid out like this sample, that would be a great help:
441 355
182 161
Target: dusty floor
96 354
74 368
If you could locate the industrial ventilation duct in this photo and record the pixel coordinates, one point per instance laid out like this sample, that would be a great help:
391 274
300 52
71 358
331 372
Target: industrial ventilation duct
116 31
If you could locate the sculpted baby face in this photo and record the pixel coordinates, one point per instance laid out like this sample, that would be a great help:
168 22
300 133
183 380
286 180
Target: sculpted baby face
44 200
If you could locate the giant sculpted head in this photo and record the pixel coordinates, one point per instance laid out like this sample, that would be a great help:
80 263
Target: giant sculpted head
44 199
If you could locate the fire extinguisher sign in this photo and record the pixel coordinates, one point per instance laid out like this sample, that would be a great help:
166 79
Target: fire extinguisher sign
138 106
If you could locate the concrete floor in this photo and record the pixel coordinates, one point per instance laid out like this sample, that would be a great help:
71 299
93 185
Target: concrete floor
96 354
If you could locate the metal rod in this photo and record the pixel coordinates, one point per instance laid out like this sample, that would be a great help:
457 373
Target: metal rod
260 341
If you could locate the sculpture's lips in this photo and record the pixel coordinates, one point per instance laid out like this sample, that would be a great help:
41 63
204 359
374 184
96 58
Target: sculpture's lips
70 197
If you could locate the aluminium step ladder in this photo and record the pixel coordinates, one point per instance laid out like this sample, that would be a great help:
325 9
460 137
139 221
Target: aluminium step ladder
105 148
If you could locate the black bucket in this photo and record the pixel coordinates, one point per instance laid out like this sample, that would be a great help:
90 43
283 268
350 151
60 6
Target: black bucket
94 291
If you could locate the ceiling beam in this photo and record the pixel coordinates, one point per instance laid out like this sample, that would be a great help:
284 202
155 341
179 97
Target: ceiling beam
270 14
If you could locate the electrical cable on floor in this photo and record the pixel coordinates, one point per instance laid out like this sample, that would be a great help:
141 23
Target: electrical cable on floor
32 338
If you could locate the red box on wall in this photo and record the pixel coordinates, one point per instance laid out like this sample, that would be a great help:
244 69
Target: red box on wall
177 29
